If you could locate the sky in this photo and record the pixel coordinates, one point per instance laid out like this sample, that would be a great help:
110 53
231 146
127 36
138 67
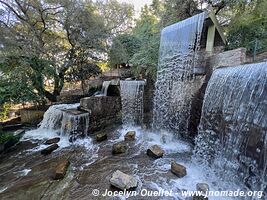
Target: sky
138 4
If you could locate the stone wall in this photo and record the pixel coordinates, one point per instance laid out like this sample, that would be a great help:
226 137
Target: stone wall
148 101
208 63
228 58
104 111
32 117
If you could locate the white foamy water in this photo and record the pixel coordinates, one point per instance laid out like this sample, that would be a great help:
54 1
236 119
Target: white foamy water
41 134
59 123
53 116
166 140
175 151
23 172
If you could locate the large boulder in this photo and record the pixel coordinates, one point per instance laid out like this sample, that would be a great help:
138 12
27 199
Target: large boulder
130 135
101 137
123 181
61 169
178 170
155 151
52 141
118 148
49 149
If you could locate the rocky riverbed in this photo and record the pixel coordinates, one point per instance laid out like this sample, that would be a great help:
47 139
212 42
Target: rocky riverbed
27 174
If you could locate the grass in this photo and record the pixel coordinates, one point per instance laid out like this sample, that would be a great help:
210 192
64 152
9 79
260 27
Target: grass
6 136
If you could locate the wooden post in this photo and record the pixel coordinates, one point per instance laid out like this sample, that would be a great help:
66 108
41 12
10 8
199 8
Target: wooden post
210 38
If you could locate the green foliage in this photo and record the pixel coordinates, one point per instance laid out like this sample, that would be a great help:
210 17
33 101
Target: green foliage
23 79
248 24
177 10
42 41
6 137
4 109
146 59
122 50
147 30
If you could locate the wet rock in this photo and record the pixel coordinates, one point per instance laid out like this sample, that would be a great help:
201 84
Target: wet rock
123 181
61 170
101 137
52 141
118 148
203 187
19 132
155 151
178 170
199 198
130 135
49 149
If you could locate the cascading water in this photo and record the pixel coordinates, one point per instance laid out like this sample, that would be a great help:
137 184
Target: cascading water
132 102
53 116
105 86
178 54
233 127
74 124
67 119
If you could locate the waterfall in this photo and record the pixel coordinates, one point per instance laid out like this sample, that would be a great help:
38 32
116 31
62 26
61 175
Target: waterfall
53 116
105 86
179 45
132 102
233 127
67 119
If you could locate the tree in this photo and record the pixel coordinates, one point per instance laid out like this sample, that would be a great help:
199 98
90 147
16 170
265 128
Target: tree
60 32
177 10
81 72
248 25
147 30
118 17
122 50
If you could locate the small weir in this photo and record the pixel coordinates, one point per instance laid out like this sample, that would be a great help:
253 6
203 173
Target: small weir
66 119
105 86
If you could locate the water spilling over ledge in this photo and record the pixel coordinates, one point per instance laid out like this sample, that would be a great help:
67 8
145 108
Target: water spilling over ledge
66 119
179 45
132 102
233 128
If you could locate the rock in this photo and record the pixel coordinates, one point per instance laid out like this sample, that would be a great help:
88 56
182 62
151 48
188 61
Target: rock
200 198
49 149
178 170
203 187
123 181
118 148
61 169
155 151
2 148
130 135
52 141
19 132
101 137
